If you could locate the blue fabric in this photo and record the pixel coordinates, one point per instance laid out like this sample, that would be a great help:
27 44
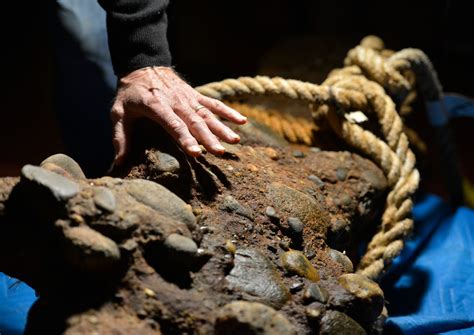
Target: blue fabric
430 286
15 301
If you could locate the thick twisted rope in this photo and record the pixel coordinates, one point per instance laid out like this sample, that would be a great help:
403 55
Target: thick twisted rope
394 158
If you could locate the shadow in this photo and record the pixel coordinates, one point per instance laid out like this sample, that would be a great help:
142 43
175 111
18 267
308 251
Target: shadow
407 296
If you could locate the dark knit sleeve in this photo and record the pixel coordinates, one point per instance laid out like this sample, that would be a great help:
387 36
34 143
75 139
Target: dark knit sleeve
137 34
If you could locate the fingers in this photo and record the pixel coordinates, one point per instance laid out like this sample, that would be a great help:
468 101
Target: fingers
198 127
176 127
219 108
218 128
119 138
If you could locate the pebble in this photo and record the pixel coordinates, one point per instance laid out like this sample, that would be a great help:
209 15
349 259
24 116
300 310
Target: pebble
295 287
251 318
298 154
181 245
315 179
60 187
129 245
376 179
312 313
67 163
310 254
341 259
271 213
89 250
272 153
337 323
284 245
162 200
294 261
230 247
230 204
166 163
105 199
252 168
341 173
256 277
314 292
149 292
296 226
314 149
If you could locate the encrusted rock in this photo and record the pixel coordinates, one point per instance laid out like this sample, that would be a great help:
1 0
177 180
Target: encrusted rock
337 323
256 276
251 318
296 262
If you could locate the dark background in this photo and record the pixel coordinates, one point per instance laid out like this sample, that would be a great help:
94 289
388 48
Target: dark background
212 40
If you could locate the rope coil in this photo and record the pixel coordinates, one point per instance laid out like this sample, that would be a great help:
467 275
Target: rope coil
361 86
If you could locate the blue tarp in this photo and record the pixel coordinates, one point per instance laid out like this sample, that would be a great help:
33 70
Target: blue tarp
429 288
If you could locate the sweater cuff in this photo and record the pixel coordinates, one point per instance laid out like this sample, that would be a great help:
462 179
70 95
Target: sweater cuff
137 34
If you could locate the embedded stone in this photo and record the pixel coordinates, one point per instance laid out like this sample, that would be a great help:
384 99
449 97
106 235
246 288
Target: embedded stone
60 187
342 259
66 163
296 226
341 173
105 199
316 180
294 261
337 323
251 318
88 250
230 204
166 163
181 245
255 276
314 292
162 200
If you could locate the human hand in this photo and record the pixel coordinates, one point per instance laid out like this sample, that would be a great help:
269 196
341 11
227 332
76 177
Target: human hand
159 94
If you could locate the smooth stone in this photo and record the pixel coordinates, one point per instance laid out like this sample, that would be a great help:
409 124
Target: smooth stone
181 245
105 199
251 318
272 153
315 179
166 162
298 154
337 323
315 149
296 226
67 163
60 187
341 259
256 276
341 174
295 261
162 200
89 250
230 204
314 292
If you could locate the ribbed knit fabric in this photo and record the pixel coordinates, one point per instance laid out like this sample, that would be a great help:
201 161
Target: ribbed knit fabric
137 34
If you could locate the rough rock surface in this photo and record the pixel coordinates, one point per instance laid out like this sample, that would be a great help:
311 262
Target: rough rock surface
258 241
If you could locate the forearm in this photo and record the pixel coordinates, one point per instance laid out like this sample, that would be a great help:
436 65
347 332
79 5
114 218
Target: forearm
137 34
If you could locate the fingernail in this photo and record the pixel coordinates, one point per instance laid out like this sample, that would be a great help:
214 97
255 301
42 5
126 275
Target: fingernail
219 147
195 148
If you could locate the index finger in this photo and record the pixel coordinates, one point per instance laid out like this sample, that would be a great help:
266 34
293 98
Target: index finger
219 108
